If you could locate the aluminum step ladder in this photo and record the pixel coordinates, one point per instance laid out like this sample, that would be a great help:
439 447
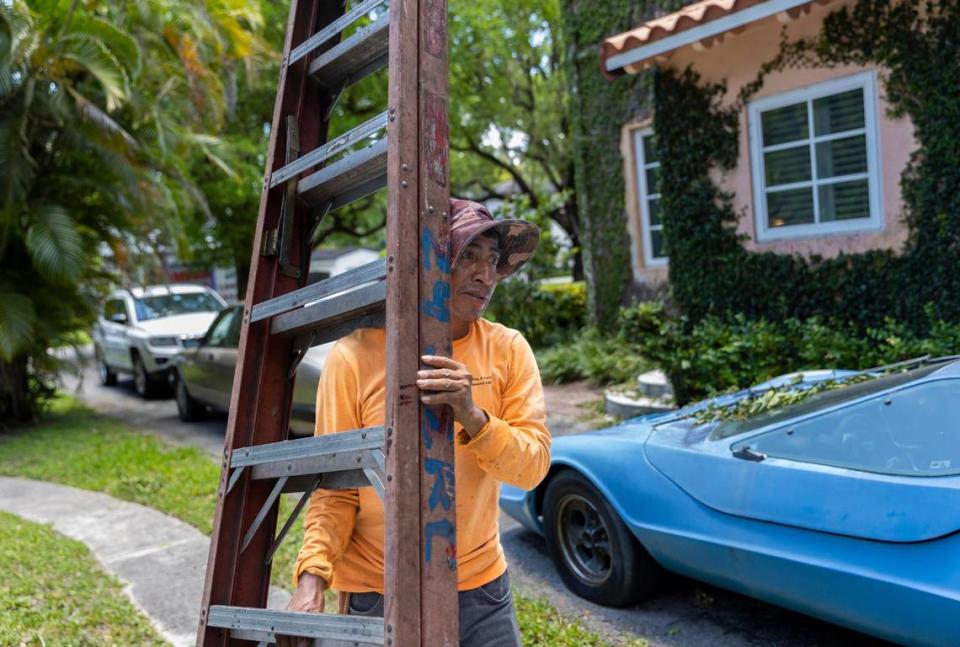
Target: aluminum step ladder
331 45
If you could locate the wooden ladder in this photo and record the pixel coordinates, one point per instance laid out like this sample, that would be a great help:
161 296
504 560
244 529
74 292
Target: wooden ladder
405 149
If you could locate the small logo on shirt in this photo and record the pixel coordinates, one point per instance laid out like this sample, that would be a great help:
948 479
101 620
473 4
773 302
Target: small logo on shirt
483 381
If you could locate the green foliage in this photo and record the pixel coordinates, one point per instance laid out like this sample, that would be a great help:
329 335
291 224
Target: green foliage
718 354
54 592
593 356
599 109
542 626
710 271
95 150
545 314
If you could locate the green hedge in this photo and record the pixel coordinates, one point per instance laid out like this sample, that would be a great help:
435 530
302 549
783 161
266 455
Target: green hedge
546 314
716 355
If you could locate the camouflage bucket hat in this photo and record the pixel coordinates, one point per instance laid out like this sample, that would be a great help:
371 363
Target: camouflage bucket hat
518 238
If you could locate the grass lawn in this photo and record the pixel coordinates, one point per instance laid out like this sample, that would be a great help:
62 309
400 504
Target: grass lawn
53 592
75 446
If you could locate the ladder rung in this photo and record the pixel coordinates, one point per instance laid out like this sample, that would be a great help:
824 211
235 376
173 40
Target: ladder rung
345 479
267 624
357 440
329 149
332 29
363 53
373 271
336 316
348 179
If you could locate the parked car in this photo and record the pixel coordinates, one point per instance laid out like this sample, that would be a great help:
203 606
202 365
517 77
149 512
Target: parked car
139 331
844 506
204 374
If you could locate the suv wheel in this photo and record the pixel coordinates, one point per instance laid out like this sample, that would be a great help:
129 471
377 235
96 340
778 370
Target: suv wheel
145 386
107 376
188 408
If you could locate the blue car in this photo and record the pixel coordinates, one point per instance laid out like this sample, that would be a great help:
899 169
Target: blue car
844 505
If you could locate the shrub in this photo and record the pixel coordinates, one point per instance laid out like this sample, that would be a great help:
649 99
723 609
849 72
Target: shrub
717 355
547 315
594 357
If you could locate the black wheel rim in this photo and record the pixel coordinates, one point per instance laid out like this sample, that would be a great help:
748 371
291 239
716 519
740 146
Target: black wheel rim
584 540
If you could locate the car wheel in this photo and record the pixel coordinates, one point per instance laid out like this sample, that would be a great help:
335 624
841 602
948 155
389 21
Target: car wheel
107 376
189 409
596 555
145 386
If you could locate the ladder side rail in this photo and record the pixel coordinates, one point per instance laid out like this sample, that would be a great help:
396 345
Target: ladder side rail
402 553
260 380
439 617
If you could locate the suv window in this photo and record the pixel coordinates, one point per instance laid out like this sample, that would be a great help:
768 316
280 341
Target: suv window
911 432
219 334
112 307
166 305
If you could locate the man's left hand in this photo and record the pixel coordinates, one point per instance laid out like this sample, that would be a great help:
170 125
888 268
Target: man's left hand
449 382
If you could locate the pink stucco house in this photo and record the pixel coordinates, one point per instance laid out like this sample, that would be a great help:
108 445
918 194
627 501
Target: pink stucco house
820 158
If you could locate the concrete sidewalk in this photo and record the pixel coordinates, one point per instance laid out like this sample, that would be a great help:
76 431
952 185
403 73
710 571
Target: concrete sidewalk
161 560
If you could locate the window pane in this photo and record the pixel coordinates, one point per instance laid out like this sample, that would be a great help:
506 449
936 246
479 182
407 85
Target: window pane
912 432
786 166
653 180
844 201
658 248
838 113
649 150
785 208
653 208
785 124
842 157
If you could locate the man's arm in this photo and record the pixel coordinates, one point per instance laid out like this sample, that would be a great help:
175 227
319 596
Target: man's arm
514 447
331 514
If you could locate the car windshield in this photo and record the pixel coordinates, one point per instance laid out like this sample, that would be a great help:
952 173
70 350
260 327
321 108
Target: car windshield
819 401
166 305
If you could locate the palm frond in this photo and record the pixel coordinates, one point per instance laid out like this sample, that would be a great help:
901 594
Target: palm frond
17 167
93 56
94 115
53 242
17 318
121 44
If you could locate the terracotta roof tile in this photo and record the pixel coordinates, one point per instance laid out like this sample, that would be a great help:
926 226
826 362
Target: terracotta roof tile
687 18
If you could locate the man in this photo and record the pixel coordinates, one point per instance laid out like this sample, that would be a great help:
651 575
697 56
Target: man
492 386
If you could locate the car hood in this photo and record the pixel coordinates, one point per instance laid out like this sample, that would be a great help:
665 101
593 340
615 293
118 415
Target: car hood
193 324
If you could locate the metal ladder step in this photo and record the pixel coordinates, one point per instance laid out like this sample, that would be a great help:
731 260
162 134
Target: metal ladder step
349 459
329 149
333 29
348 179
337 316
264 625
317 455
373 271
360 55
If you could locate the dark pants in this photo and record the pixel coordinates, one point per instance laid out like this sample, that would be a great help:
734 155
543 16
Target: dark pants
487 617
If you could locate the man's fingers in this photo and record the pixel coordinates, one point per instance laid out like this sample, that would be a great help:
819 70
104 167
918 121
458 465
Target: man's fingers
439 372
442 384
440 362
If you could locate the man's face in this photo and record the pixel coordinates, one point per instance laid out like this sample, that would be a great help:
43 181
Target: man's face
474 278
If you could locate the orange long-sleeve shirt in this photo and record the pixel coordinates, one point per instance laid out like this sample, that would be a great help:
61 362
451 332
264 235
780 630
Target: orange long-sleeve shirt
344 529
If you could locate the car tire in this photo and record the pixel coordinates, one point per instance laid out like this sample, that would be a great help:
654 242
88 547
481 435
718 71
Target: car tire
145 386
597 556
107 376
189 409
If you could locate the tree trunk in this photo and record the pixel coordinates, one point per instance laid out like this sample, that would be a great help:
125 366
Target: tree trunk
16 405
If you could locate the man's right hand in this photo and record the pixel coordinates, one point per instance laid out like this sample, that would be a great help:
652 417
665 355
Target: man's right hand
309 598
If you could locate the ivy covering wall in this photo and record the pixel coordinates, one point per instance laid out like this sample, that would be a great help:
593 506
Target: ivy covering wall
918 44
600 108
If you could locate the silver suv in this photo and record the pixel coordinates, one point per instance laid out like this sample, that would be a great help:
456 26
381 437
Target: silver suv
139 331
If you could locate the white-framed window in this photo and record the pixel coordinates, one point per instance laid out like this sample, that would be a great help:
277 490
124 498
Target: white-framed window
648 184
815 160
